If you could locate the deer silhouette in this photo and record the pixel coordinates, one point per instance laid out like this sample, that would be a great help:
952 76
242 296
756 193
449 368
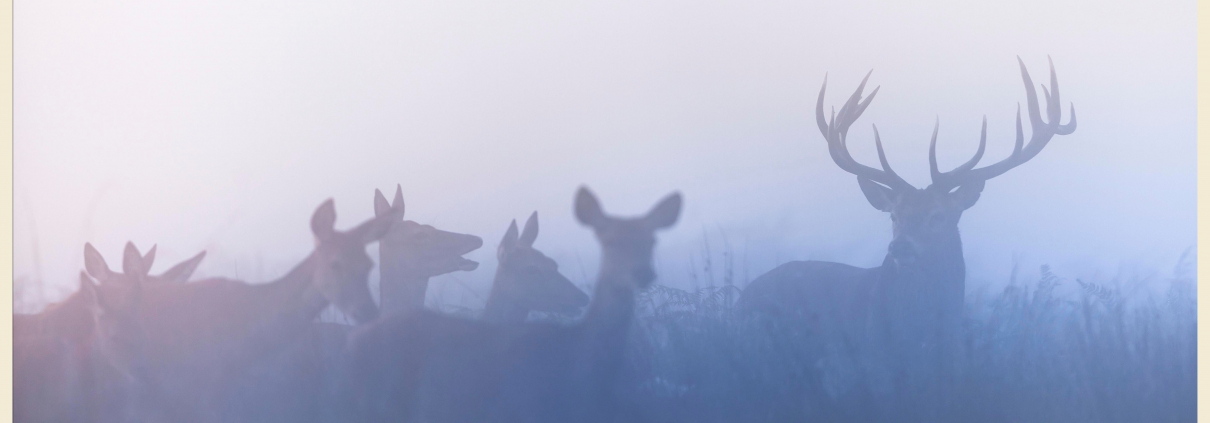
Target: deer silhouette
431 367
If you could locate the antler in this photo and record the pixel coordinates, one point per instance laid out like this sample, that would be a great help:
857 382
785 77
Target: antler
835 131
1043 131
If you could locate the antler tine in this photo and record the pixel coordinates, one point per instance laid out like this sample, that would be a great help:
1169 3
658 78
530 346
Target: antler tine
1042 132
886 166
1054 107
947 179
819 117
854 106
1020 142
935 174
835 132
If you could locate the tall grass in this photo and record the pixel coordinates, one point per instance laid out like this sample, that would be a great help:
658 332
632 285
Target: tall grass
1109 352
1028 354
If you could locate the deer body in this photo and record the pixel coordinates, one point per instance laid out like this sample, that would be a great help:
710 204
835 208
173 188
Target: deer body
71 317
909 308
431 367
201 335
292 383
79 359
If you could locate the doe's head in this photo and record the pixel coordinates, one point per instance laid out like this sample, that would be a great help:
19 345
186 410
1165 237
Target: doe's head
422 249
531 279
627 243
341 266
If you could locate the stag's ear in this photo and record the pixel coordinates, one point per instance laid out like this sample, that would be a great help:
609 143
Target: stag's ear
967 194
665 213
94 263
132 262
879 196
531 231
323 222
381 206
183 270
588 209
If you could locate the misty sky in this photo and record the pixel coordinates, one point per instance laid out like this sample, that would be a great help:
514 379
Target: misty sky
223 126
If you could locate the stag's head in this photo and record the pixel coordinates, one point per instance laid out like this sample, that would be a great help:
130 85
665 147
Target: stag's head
529 278
925 221
422 249
341 266
627 243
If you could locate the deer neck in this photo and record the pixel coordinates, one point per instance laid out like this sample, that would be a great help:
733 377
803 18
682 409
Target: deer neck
911 297
69 317
288 305
944 267
400 287
499 308
607 322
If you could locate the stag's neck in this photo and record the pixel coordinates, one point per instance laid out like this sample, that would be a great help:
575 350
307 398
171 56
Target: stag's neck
928 288
400 289
946 268
499 308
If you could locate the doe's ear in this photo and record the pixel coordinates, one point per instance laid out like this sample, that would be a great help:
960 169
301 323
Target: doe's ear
531 231
509 240
666 213
323 222
967 194
397 202
373 229
94 263
381 206
879 196
149 258
510 236
183 270
132 262
588 209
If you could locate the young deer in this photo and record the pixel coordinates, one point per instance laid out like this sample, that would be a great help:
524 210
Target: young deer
201 335
431 367
411 253
179 273
70 318
528 280
87 367
912 304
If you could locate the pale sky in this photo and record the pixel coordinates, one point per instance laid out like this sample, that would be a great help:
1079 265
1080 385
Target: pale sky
223 125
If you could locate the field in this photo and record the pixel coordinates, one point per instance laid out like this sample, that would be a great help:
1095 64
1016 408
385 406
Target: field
1027 355
1109 352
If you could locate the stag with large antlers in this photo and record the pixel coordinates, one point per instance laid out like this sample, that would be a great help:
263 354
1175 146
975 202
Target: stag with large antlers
912 303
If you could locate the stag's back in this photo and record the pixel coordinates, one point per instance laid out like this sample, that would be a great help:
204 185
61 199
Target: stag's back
819 296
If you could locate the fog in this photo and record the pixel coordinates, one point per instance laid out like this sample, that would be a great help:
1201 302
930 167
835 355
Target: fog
223 126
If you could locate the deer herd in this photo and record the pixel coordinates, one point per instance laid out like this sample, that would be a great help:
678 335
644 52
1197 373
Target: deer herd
128 346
